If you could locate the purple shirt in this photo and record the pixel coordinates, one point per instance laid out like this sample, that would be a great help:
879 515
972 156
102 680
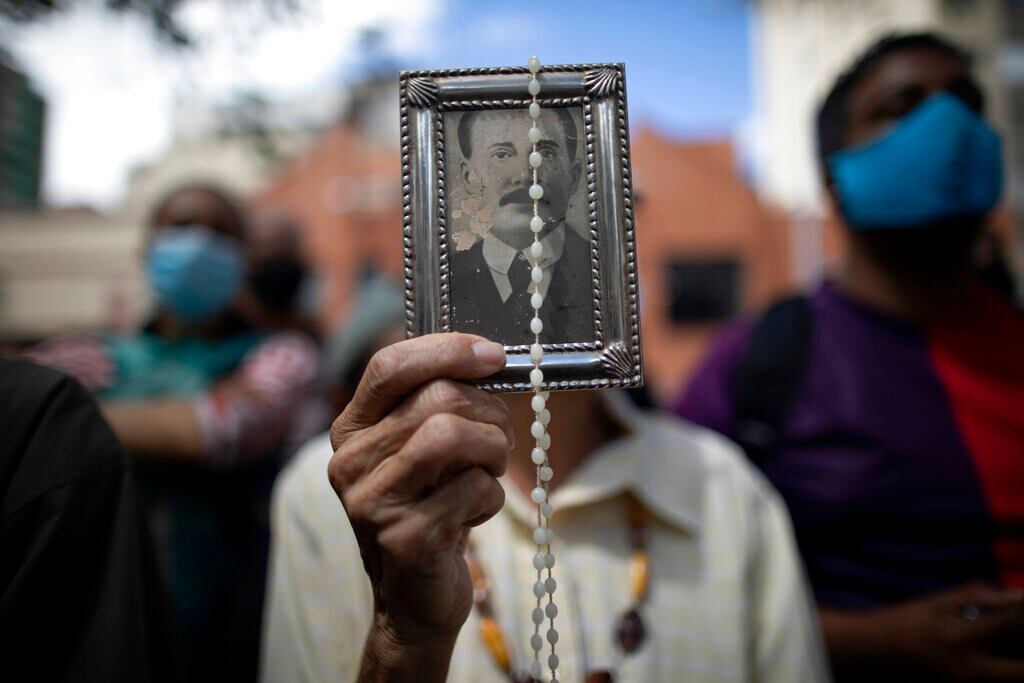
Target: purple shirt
886 502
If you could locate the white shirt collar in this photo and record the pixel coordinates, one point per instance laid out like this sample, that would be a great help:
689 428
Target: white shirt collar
656 461
499 257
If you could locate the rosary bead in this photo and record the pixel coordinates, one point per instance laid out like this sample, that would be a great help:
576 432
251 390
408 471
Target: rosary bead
549 561
536 354
546 510
536 191
544 441
552 661
536 326
534 110
537 274
552 636
537 300
537 402
538 614
534 133
540 537
550 610
538 561
538 589
550 585
535 670
536 250
536 642
536 379
538 456
545 417
537 429
534 86
545 473
538 496
535 159
533 64
536 224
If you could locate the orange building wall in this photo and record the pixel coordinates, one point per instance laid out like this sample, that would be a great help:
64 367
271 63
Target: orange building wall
692 203
346 193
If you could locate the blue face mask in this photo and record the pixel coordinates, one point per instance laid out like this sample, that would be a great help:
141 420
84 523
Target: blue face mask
939 162
194 272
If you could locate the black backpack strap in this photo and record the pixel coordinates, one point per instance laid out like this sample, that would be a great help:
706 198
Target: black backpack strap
769 374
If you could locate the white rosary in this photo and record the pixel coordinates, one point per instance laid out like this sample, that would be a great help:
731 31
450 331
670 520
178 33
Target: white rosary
542 535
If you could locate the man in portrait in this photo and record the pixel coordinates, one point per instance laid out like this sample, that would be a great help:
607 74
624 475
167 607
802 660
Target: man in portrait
491 284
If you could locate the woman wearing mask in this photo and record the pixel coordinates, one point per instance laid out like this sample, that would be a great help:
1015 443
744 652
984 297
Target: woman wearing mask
204 402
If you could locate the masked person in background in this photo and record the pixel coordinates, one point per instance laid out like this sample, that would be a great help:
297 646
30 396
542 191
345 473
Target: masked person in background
280 290
281 295
887 406
203 401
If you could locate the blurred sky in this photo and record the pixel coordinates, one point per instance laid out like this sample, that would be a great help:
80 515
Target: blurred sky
113 90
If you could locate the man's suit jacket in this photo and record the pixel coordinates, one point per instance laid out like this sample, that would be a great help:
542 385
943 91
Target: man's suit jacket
567 313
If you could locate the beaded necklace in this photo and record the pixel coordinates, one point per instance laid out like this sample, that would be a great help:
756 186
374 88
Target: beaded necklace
630 628
543 560
629 631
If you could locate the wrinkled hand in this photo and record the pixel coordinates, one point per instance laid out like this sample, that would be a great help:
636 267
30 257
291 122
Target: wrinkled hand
417 453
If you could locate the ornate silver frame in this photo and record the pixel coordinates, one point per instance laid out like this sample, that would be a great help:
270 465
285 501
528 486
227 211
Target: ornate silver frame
612 358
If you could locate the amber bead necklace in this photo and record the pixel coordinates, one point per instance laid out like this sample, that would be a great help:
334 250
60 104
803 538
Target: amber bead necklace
629 632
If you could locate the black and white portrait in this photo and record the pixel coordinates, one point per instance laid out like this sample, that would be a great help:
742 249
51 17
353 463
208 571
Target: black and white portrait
489 212
468 219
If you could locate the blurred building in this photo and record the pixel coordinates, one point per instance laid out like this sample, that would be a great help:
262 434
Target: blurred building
798 48
66 270
241 163
708 248
22 112
346 192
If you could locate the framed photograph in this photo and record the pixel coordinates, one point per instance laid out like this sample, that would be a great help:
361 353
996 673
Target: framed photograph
467 212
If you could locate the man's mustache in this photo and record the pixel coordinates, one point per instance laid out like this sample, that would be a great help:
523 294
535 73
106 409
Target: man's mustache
521 196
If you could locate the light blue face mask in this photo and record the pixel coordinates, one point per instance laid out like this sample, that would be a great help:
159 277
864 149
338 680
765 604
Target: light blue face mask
939 162
194 272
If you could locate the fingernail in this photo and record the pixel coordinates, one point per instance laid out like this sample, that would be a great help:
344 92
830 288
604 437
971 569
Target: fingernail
489 354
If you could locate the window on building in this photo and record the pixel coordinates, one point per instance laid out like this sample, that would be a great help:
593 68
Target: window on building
703 291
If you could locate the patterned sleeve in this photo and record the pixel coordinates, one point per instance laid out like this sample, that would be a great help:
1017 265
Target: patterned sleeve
250 415
85 357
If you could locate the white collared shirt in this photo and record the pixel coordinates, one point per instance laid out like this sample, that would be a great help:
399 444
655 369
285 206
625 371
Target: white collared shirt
727 597
500 256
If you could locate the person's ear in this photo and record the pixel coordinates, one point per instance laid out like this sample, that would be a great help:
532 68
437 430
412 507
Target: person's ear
473 185
576 171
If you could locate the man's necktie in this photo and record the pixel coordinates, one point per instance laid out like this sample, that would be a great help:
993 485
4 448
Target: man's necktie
519 277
